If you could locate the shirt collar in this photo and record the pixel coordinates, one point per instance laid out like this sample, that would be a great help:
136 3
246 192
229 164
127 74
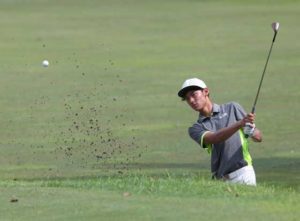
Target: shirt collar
215 110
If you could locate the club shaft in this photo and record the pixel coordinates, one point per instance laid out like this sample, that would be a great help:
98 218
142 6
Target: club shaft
263 75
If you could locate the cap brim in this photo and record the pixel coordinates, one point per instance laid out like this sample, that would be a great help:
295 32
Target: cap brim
185 90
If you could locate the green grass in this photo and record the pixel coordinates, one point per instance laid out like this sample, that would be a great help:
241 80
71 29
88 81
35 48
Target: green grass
147 197
104 119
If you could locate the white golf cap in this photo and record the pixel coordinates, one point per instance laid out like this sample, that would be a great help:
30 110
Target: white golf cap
191 84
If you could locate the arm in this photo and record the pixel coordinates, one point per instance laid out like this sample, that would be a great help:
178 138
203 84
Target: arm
224 133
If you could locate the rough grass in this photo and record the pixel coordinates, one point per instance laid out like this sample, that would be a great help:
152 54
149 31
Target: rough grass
170 196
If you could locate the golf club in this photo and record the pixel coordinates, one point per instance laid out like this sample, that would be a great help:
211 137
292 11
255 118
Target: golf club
275 27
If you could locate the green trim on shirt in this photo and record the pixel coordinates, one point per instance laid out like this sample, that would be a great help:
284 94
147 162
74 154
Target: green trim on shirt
208 147
245 146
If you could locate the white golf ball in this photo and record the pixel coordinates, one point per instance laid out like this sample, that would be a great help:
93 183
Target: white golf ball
45 63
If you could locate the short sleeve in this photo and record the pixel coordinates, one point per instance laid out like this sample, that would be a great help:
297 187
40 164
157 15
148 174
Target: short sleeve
240 113
197 132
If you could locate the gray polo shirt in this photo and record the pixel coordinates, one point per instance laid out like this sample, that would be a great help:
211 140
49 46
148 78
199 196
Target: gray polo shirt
231 154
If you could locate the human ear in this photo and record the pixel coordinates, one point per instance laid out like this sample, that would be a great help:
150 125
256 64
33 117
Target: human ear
206 91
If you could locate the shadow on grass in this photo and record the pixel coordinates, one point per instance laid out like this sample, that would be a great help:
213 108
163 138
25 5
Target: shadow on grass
278 171
154 166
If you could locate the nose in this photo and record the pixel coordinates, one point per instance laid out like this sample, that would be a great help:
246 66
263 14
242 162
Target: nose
190 100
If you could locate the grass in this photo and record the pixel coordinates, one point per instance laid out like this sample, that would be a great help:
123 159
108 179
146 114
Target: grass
103 119
137 196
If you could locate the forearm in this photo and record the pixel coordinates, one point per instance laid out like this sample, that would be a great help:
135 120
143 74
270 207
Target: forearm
222 134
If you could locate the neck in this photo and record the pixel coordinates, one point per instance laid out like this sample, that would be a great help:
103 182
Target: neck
207 109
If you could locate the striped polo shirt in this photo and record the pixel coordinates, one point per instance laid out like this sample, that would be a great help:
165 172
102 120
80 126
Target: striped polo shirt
231 154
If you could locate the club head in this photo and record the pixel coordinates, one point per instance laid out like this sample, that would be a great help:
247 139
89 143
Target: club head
275 26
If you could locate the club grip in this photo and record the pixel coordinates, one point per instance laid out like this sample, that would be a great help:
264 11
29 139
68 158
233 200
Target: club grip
252 111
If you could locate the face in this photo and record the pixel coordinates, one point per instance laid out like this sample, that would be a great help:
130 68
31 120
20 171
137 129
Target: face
197 99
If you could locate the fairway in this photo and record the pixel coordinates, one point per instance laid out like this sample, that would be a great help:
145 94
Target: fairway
100 133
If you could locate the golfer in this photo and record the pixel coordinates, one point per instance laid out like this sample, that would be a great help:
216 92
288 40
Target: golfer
222 130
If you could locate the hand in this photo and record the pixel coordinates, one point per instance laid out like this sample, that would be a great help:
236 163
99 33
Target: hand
249 118
249 129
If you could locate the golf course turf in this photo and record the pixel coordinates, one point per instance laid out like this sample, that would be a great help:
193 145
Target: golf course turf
100 133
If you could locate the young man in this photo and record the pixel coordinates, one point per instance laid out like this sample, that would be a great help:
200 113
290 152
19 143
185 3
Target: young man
222 130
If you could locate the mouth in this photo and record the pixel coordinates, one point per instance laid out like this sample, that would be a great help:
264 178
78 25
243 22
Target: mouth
194 106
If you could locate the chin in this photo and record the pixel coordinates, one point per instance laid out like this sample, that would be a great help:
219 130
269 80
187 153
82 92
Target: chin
196 108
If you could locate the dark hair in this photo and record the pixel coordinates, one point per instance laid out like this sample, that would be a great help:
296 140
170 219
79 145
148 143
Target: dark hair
187 89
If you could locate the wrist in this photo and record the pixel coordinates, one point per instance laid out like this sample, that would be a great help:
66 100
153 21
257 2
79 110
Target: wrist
241 124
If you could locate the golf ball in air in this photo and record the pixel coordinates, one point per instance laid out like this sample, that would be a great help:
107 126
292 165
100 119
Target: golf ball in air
45 63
